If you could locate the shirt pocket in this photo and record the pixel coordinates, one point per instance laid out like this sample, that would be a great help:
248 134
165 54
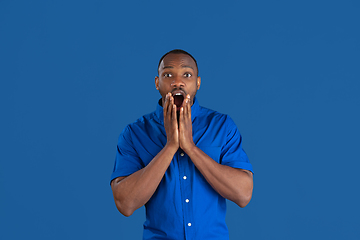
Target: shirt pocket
213 152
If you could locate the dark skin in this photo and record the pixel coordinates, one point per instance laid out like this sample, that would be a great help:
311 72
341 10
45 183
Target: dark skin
178 75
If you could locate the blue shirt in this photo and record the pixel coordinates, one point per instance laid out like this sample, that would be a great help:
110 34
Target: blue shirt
184 206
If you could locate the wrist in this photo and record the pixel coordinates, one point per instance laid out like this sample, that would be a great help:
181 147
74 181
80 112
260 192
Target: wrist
171 147
188 149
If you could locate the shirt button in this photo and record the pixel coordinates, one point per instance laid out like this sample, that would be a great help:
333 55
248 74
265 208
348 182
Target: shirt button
187 200
182 154
189 224
184 177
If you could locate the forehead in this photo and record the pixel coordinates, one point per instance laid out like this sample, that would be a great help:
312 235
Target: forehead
178 60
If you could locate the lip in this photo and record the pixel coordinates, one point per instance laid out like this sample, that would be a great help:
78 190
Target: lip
176 92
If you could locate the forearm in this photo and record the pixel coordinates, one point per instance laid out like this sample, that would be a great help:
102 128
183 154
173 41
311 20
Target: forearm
133 191
231 183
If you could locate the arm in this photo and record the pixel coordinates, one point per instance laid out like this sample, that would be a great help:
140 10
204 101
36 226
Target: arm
231 183
133 191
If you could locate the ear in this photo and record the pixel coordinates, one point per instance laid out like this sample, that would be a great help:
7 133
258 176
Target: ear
157 83
198 82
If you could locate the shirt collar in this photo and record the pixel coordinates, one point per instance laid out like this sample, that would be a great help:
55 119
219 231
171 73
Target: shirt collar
159 113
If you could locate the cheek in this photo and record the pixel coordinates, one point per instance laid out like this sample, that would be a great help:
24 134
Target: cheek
193 88
163 91
163 86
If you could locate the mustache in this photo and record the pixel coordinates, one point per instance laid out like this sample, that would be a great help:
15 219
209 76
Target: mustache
179 89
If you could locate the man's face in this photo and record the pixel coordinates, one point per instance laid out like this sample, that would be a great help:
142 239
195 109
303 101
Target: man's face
178 75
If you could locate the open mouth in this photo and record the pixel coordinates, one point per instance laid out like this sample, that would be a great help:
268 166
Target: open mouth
178 100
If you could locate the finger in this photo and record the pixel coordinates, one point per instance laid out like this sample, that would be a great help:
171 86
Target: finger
185 109
170 106
166 105
181 113
174 116
173 113
181 124
188 106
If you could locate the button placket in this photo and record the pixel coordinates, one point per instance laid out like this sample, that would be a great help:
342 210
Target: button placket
186 191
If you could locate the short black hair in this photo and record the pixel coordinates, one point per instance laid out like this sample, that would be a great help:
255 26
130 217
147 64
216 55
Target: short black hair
178 51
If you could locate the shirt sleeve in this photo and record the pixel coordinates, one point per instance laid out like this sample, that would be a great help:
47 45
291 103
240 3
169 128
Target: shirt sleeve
232 153
127 160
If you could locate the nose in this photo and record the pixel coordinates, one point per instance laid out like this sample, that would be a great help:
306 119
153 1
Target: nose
177 82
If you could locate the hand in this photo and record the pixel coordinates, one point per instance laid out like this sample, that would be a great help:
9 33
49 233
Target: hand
185 126
170 122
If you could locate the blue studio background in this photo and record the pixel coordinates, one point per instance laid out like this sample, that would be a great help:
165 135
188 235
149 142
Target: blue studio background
75 73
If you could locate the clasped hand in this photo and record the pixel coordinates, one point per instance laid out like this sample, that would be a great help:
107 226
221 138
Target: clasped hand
178 131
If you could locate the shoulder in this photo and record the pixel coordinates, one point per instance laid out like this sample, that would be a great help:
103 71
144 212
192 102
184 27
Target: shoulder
139 124
145 119
215 116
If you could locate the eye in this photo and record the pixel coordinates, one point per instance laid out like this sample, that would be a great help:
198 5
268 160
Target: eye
167 75
187 75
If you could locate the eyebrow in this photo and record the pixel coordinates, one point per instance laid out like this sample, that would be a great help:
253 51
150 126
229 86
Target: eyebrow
184 66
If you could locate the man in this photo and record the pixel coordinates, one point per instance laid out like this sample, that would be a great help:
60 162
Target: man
181 161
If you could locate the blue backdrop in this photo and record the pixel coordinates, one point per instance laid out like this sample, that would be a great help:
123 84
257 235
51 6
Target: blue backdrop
74 73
